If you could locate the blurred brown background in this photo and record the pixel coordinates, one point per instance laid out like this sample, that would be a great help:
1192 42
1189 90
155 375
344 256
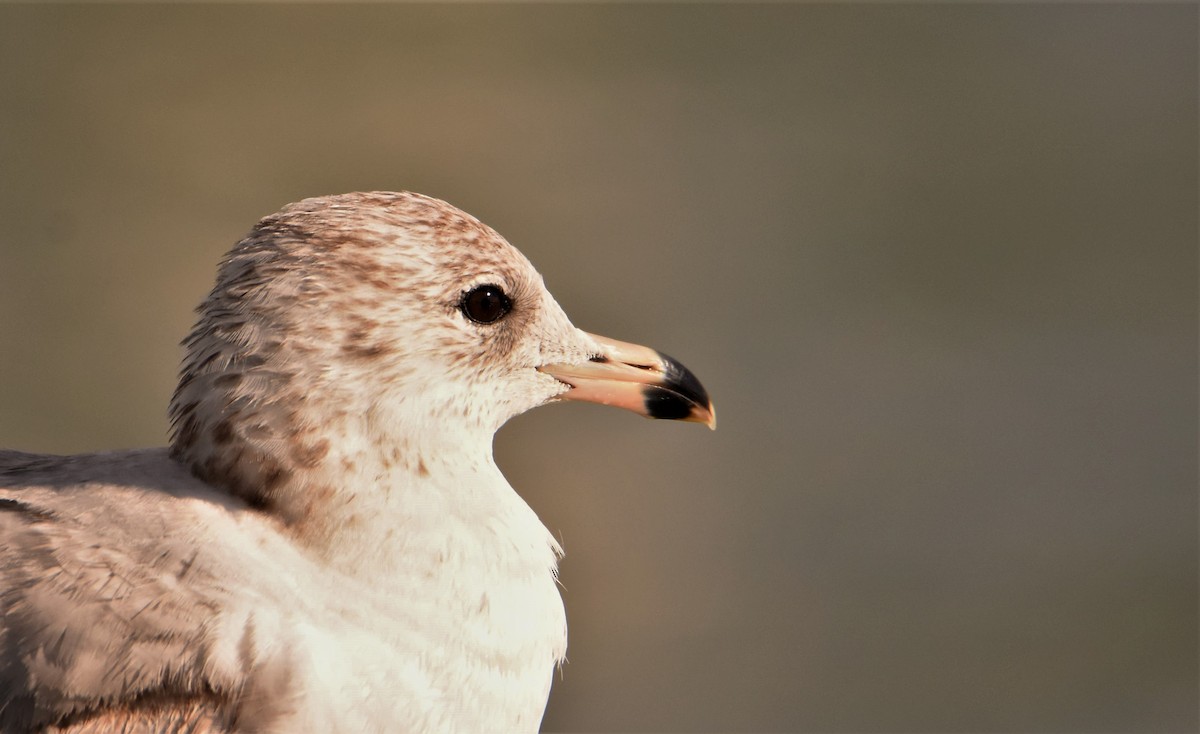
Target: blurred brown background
937 265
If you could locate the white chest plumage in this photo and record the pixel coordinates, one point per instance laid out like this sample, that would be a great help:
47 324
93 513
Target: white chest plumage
456 661
453 624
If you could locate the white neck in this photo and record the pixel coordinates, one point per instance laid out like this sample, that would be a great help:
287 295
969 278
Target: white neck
395 520
430 500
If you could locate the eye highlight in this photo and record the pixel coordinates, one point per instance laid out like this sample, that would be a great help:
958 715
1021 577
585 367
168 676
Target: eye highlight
485 304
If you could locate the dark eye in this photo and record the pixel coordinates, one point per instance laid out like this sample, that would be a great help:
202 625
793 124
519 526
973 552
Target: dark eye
486 304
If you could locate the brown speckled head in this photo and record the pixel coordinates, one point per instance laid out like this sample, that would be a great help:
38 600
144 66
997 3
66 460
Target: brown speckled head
363 346
342 317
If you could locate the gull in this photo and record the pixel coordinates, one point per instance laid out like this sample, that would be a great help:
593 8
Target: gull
327 544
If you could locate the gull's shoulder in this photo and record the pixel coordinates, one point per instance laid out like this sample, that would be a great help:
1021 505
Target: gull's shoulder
150 473
128 595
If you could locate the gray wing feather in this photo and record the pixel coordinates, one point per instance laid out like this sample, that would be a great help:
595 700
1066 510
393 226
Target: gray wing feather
108 608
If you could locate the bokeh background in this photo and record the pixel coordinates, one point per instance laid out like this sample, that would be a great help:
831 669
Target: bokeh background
937 265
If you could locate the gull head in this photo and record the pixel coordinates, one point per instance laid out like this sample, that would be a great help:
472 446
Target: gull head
386 329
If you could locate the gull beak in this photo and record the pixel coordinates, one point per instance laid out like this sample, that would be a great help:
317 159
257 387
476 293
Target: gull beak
636 378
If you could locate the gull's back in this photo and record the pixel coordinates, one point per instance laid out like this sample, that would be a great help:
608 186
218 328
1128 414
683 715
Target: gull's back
109 597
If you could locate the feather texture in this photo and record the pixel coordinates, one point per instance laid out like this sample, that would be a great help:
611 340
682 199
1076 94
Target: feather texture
327 544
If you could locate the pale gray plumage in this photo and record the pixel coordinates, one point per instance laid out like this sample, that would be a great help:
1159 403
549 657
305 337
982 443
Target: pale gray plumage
327 545
107 597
